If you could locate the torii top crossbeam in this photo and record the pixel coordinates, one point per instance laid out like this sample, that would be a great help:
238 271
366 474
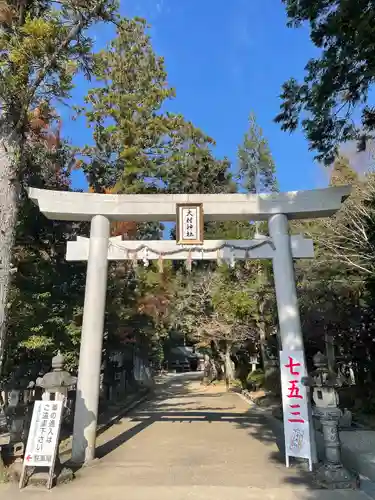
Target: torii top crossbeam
63 205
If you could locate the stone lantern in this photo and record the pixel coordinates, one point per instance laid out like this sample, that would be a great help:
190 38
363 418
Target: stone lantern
56 385
56 382
331 473
17 415
16 411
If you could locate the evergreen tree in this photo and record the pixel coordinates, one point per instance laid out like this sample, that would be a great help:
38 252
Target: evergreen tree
256 168
337 82
257 174
46 295
43 46
138 147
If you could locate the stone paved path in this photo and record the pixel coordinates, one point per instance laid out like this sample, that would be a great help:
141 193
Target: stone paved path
189 442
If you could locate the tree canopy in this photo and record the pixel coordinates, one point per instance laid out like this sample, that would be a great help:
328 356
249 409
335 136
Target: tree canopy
43 46
336 86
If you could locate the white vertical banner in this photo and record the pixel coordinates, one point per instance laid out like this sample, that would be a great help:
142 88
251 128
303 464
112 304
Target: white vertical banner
295 406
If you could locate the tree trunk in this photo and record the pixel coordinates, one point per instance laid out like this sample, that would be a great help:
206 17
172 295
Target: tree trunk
9 195
263 345
266 362
228 366
218 358
262 327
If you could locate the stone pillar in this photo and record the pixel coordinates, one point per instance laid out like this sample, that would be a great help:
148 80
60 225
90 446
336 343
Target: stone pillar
330 424
87 400
330 352
290 330
285 285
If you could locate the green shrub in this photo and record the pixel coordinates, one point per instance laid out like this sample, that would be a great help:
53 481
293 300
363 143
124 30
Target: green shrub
236 384
255 380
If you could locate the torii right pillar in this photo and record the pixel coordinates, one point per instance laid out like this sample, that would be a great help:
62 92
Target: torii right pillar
286 295
285 284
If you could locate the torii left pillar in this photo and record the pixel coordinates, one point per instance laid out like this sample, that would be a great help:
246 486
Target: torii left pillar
90 358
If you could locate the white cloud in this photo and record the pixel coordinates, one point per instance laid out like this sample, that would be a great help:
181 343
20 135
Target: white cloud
150 9
159 6
240 39
363 161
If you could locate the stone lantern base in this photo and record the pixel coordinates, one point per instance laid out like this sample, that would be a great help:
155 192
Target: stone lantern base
336 477
331 474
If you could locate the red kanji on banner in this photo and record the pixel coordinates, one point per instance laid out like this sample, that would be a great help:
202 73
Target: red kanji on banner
294 390
296 420
295 415
291 365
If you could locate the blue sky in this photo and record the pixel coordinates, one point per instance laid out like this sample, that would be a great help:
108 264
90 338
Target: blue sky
225 59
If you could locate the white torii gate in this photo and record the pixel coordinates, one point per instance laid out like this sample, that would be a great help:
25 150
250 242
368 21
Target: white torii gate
101 209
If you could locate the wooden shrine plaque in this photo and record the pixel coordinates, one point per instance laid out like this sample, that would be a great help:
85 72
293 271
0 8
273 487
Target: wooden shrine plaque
189 224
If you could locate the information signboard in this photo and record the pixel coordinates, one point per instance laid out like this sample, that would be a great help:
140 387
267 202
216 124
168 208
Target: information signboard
295 406
43 439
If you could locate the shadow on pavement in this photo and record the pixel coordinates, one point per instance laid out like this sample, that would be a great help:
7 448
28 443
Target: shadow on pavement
163 408
268 431
147 418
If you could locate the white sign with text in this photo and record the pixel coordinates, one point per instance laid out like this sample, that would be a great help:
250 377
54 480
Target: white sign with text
43 439
295 406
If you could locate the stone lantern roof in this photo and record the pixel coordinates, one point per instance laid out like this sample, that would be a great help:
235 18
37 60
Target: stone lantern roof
58 378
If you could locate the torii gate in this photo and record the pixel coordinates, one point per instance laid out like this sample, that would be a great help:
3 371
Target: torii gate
101 209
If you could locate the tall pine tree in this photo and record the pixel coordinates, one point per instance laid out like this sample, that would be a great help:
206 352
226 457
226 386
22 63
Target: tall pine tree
257 174
43 45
